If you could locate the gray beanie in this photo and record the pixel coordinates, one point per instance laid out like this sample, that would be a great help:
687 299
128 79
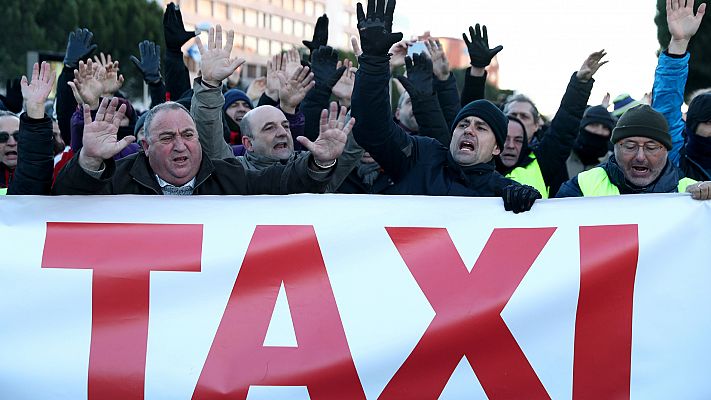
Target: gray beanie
642 121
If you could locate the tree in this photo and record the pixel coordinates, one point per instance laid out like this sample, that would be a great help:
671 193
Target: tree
44 25
700 61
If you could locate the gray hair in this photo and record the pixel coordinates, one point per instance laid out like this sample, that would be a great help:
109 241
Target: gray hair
522 98
169 105
245 127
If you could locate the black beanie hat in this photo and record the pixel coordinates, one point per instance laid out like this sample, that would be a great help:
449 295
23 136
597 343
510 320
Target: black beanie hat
699 111
642 121
597 115
488 112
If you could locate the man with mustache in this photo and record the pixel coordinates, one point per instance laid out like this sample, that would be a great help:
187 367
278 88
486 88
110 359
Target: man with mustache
640 163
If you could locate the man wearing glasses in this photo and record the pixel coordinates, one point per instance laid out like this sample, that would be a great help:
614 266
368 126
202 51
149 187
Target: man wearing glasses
9 131
639 164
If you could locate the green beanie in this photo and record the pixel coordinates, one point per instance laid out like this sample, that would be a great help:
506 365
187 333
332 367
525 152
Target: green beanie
642 121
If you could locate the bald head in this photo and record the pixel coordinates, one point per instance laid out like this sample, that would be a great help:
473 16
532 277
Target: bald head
266 132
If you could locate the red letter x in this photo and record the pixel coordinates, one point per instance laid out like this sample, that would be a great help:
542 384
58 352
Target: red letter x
468 313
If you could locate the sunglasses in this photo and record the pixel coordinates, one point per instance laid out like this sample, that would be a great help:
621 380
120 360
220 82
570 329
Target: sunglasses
5 136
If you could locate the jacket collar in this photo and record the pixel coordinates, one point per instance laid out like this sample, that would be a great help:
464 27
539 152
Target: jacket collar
143 174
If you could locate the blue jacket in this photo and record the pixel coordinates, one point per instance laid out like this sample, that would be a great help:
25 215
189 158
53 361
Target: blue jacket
418 165
668 96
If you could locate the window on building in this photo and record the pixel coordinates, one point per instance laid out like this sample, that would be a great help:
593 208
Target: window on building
250 44
308 30
319 9
205 8
250 18
298 29
239 41
237 15
299 6
263 47
276 3
288 5
251 71
219 10
276 23
275 48
288 26
188 5
309 7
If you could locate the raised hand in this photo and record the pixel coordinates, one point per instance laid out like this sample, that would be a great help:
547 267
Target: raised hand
398 52
275 67
323 64
149 64
440 64
606 101
104 60
320 35
332 137
682 23
293 90
86 87
36 91
100 135
376 27
78 47
591 65
174 30
343 89
215 63
292 62
256 88
108 75
419 75
480 54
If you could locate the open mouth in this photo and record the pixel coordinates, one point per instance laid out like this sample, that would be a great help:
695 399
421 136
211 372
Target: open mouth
11 154
639 170
180 160
280 146
467 146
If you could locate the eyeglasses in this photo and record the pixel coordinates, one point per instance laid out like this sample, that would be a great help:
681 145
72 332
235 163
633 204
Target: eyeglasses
5 136
648 148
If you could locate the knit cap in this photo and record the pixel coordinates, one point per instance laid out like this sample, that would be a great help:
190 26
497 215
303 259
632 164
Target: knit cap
489 113
234 95
699 111
643 121
622 103
597 115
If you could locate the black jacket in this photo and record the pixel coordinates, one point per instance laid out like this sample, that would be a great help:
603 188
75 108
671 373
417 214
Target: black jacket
418 165
133 175
667 182
35 157
691 168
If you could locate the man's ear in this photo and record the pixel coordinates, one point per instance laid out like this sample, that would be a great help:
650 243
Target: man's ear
144 145
496 151
397 114
247 143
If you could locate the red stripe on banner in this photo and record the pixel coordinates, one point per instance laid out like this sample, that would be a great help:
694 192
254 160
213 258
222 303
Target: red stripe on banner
468 313
603 325
121 257
238 358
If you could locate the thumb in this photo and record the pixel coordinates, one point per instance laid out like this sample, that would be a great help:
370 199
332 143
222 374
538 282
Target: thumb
304 141
308 44
337 76
395 37
356 46
493 52
136 62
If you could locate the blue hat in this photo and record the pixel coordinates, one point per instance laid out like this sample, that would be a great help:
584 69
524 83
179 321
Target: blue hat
233 95
489 113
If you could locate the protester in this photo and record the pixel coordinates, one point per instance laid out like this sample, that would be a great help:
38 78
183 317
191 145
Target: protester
420 165
640 163
691 140
592 146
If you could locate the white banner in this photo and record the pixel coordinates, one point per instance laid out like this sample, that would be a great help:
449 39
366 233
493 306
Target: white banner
354 297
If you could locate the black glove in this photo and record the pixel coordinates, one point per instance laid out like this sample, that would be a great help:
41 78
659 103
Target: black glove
78 47
519 198
173 29
376 27
323 65
13 96
149 65
320 35
479 52
419 75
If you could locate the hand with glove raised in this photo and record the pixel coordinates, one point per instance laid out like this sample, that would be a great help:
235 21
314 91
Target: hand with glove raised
480 54
79 47
149 64
519 198
376 27
320 36
13 96
419 75
174 30
323 65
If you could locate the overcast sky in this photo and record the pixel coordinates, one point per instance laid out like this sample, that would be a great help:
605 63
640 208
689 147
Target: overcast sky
545 41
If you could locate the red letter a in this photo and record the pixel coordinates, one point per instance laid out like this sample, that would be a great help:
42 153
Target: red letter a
322 361
121 257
